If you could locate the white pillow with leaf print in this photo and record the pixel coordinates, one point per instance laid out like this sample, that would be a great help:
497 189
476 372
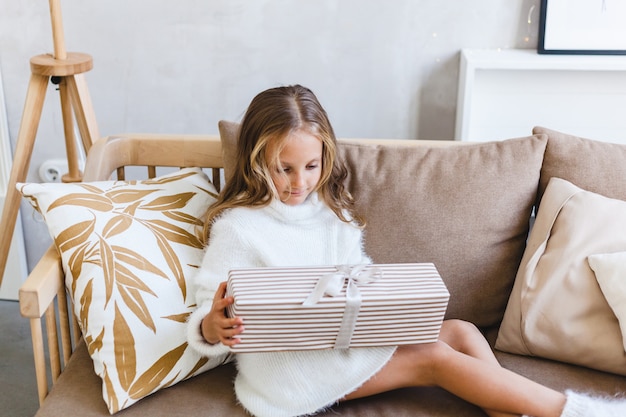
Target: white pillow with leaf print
128 250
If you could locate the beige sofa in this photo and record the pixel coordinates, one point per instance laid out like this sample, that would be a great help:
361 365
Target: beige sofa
465 207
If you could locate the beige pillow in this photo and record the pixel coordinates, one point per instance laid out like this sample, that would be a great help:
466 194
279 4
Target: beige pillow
557 309
128 250
590 164
229 135
610 271
464 208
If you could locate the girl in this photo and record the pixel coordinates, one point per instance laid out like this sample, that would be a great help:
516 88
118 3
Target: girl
286 205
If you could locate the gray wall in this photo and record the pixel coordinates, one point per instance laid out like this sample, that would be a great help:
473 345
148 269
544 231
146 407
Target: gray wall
382 68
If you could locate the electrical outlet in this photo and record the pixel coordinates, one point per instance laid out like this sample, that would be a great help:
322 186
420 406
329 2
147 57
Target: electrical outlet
52 170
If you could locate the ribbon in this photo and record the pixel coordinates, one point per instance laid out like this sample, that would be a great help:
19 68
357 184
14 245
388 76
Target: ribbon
331 284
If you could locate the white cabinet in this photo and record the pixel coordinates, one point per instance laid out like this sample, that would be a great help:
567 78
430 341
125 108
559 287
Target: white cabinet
505 93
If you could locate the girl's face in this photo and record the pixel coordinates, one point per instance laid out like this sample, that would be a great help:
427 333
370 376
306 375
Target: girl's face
300 167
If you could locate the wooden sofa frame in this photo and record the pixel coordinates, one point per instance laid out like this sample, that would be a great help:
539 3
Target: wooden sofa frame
42 297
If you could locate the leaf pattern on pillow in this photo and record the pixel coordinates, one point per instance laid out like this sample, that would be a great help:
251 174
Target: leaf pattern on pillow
111 398
93 344
114 261
124 348
154 376
115 226
168 202
128 249
74 235
94 201
181 318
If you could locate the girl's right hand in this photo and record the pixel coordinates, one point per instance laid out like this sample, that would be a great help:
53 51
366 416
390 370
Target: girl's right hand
216 327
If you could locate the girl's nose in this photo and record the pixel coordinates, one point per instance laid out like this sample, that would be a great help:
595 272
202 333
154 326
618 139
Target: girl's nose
297 180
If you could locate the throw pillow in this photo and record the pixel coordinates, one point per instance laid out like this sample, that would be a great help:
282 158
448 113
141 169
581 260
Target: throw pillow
128 250
446 205
590 164
610 271
229 135
557 309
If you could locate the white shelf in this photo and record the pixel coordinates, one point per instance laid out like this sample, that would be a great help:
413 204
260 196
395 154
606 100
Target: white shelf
529 59
505 93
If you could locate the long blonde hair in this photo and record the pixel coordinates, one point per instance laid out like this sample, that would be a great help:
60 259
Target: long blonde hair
272 115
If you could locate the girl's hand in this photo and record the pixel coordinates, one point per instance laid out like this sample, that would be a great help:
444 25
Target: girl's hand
216 327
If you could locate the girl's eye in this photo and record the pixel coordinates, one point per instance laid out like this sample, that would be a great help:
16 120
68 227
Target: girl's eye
311 166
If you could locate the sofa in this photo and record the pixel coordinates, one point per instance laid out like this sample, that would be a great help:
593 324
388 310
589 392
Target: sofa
529 260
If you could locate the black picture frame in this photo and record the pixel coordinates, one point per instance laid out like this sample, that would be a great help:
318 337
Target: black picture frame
582 27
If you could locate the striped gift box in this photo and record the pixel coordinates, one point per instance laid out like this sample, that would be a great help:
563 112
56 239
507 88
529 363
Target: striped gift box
300 308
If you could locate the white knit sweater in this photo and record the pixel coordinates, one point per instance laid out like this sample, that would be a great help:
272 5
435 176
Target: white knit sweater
284 384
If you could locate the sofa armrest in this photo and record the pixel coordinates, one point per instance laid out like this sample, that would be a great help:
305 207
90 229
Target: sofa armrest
42 296
112 152
42 285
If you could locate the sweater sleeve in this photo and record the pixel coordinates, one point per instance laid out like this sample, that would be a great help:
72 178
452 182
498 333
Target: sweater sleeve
226 249
356 253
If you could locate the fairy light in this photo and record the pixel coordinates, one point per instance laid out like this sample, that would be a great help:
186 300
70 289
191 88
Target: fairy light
529 21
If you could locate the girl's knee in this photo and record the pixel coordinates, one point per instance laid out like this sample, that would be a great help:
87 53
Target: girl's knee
459 328
422 362
461 334
425 355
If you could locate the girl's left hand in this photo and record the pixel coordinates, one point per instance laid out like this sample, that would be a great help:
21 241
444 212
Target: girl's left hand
216 327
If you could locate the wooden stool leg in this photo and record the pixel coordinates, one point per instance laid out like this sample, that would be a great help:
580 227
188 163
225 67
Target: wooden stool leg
74 174
19 170
83 110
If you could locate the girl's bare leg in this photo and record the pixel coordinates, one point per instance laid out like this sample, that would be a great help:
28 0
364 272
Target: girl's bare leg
462 363
464 337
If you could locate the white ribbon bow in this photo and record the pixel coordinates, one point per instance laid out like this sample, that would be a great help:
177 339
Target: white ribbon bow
331 284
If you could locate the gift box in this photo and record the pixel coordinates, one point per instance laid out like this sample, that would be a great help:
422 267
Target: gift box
300 308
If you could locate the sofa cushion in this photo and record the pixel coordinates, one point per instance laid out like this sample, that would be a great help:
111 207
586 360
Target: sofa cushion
592 165
464 208
557 309
78 393
128 250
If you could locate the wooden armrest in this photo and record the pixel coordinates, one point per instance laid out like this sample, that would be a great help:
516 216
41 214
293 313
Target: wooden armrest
37 296
112 152
42 285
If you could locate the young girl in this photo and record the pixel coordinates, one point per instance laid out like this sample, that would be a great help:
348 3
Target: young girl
286 205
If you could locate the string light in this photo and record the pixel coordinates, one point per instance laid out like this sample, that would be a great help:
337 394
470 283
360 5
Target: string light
529 21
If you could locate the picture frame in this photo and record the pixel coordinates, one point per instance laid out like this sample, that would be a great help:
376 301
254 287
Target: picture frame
582 27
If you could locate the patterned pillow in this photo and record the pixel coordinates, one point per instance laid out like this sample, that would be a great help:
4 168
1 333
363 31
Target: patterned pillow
128 250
